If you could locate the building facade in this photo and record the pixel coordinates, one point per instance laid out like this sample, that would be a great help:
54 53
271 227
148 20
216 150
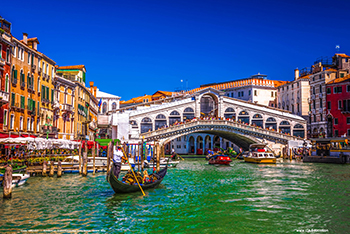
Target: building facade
338 107
5 72
323 71
294 96
63 108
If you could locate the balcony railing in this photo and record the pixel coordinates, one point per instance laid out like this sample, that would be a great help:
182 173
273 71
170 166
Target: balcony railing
4 96
67 107
48 129
23 84
14 80
2 62
44 75
45 100
39 71
31 87
33 68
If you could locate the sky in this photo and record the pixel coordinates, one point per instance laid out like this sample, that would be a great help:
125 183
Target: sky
134 47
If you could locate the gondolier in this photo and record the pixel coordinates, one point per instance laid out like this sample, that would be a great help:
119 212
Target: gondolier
117 160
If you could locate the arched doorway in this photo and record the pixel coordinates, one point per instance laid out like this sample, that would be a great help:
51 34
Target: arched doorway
230 113
191 144
207 143
146 125
285 127
258 120
243 117
271 123
208 106
216 142
199 149
173 117
104 108
188 114
160 121
299 131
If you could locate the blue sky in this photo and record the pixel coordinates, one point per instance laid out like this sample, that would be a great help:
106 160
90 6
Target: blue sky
133 47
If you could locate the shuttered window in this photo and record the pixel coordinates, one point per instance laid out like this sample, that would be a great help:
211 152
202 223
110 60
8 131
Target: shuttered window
13 99
23 102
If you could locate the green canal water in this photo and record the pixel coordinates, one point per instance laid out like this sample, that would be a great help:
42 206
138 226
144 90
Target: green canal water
290 197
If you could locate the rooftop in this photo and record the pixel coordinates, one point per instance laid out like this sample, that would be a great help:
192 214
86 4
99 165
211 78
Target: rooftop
73 67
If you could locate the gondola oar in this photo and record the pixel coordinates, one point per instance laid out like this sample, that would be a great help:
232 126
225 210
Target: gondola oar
133 172
180 157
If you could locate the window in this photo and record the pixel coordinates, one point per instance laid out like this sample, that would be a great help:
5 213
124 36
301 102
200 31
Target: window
321 117
13 99
314 104
341 75
313 90
28 58
271 94
12 121
335 132
14 51
22 102
255 93
328 105
321 104
339 104
328 90
28 124
0 51
339 89
348 88
347 120
249 92
7 83
335 121
5 117
315 118
8 55
21 122
320 89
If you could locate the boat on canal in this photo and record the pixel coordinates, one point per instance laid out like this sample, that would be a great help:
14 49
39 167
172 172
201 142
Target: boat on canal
259 153
329 150
123 187
219 159
163 162
17 179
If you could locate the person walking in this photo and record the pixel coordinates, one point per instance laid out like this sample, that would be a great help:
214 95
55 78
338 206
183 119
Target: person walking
117 160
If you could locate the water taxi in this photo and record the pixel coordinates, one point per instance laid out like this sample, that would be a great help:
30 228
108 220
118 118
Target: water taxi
329 150
259 153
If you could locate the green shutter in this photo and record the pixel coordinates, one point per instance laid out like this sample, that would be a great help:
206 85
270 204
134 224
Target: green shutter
47 93
13 99
28 103
38 108
22 102
42 92
52 95
15 74
28 81
33 105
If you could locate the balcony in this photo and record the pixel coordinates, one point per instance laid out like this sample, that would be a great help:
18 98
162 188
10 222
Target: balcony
14 80
2 62
33 68
44 76
39 71
320 95
68 108
56 105
4 97
31 110
23 85
46 101
48 130
31 87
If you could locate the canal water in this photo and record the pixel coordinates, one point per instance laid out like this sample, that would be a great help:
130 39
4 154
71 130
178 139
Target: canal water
195 197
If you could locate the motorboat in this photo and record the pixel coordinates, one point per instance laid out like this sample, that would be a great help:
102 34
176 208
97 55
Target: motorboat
163 162
220 159
259 153
17 179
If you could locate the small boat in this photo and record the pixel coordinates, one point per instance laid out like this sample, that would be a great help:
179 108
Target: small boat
259 153
121 187
17 179
163 162
220 159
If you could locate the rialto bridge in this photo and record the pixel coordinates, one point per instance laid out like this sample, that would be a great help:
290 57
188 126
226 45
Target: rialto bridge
206 111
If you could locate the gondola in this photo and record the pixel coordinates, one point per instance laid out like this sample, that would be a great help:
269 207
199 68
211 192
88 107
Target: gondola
121 187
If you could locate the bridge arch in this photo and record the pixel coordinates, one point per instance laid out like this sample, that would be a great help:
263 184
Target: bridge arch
209 104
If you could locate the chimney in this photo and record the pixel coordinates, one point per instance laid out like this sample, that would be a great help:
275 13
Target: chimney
95 91
25 38
35 45
296 74
91 84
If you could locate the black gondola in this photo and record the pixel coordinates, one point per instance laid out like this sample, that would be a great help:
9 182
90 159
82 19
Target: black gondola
121 187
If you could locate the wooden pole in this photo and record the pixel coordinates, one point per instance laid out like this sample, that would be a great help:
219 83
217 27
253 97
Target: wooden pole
80 151
97 150
93 158
138 157
7 183
85 160
158 157
52 169
59 169
142 155
44 168
109 155
162 151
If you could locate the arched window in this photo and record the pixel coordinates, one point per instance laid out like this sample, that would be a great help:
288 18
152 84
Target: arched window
270 119
257 120
271 123
230 113
188 113
114 106
7 83
104 107
146 125
299 131
174 117
285 127
160 121
243 117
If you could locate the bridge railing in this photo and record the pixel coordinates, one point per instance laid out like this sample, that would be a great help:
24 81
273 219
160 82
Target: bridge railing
235 124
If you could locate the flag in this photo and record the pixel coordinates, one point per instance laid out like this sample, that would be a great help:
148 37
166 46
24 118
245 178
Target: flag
99 105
